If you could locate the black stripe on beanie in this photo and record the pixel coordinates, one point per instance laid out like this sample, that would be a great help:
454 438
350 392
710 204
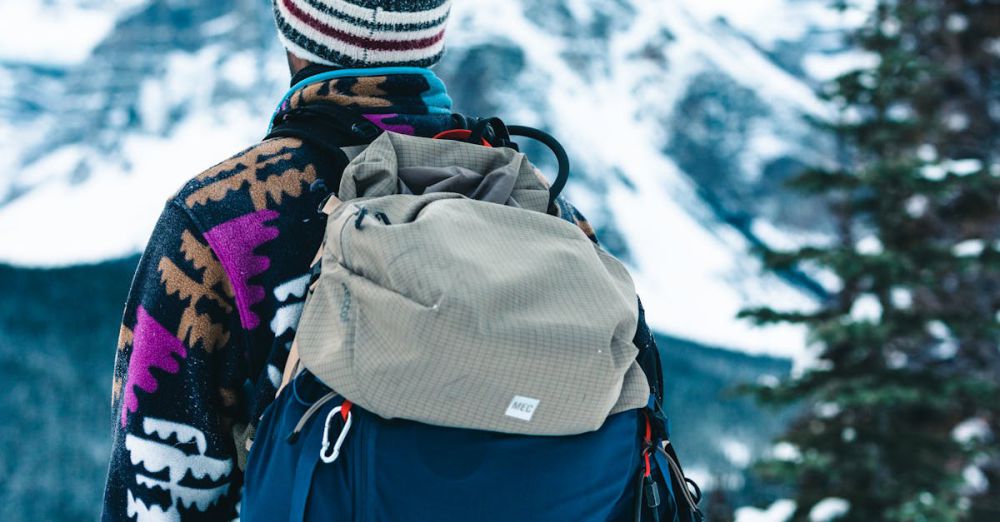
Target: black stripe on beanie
368 24
399 6
336 57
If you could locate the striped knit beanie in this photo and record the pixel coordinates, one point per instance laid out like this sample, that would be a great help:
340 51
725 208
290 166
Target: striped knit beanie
363 33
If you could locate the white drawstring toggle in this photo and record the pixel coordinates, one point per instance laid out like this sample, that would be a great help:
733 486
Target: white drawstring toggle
325 454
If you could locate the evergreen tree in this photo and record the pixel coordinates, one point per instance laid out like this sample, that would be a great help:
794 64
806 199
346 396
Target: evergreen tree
901 411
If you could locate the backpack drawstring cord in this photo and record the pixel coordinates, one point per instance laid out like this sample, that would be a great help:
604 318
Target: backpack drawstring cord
685 483
294 435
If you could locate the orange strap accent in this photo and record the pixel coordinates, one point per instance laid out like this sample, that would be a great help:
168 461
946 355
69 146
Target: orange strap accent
458 135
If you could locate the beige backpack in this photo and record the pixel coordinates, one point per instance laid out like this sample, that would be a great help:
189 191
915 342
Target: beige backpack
446 294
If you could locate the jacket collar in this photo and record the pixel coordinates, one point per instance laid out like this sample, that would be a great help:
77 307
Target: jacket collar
378 93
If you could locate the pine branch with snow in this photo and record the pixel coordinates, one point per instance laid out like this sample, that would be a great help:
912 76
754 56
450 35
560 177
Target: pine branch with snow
908 343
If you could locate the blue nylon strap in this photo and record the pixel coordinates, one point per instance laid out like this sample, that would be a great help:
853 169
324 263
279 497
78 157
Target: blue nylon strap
304 470
306 464
652 406
664 466
660 462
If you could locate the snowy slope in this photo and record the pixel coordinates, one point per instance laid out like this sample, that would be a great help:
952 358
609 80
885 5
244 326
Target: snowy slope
677 114
70 29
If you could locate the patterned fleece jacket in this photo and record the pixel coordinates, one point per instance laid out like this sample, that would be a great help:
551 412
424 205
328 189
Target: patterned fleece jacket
216 298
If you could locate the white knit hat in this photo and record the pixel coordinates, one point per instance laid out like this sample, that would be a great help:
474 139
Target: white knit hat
363 33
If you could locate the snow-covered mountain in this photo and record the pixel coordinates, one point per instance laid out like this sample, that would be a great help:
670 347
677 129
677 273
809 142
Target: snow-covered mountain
682 117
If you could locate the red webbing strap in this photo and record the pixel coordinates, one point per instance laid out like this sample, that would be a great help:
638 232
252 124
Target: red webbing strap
648 443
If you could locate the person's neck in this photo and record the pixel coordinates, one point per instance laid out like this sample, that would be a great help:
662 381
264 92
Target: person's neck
311 69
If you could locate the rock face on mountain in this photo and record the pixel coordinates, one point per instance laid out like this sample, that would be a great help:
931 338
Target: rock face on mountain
682 118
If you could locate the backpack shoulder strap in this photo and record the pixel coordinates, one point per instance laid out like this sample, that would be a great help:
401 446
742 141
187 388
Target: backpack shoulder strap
326 126
292 367
649 356
293 364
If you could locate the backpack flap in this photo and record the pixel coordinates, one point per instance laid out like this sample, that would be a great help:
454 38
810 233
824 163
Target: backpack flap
456 312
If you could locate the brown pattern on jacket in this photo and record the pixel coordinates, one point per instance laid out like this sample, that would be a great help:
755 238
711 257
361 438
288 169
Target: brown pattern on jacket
203 258
124 342
194 326
254 158
124 338
363 92
290 182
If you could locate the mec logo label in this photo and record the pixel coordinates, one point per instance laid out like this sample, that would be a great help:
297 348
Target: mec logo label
522 408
